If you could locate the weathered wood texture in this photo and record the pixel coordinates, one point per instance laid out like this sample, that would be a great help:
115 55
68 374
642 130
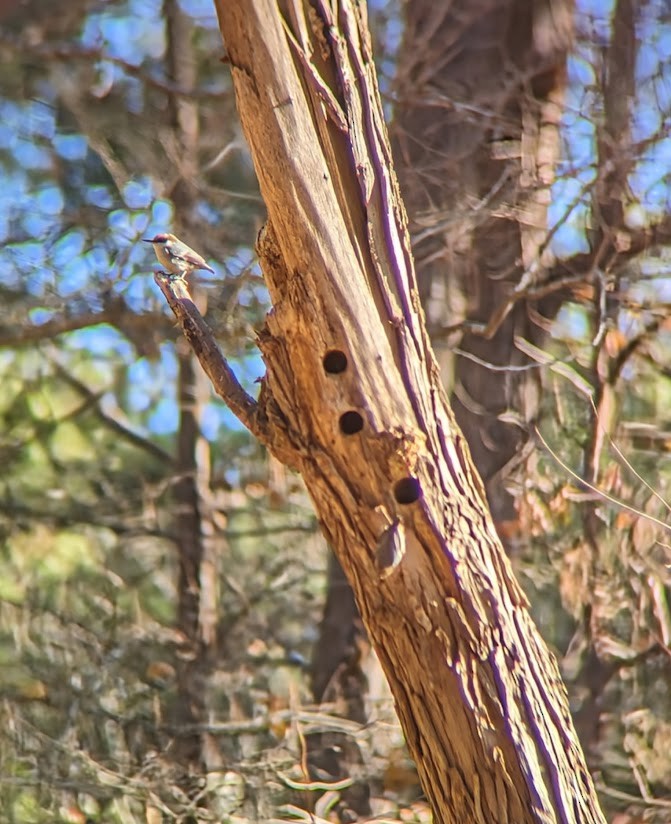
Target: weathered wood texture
479 695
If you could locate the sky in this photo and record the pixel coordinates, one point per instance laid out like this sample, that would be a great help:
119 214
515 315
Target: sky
62 264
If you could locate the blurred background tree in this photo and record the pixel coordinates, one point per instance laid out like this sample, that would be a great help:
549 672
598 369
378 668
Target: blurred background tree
162 580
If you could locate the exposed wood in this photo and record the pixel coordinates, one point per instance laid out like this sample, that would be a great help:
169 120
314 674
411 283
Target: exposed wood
479 695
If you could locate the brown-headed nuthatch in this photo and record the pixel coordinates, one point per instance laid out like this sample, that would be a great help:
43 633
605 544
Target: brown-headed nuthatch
176 257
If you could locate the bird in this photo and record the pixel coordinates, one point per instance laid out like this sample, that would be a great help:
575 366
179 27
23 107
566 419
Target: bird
173 254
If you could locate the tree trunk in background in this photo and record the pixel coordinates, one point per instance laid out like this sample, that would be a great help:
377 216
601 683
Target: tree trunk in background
610 354
195 532
352 399
480 89
340 655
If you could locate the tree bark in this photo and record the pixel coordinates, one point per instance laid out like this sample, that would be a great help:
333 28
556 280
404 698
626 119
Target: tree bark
352 398
478 218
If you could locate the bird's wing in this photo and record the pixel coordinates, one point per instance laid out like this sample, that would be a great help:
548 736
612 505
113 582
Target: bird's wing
194 260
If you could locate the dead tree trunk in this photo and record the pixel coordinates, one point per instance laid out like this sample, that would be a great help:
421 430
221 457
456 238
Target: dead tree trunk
352 398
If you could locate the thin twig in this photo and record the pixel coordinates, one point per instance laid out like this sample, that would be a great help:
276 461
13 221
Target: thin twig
92 400
604 495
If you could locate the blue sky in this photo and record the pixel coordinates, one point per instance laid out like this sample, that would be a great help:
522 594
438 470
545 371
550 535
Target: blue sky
62 264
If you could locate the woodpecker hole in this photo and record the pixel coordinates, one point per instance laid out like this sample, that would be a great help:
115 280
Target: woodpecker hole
351 423
407 490
335 362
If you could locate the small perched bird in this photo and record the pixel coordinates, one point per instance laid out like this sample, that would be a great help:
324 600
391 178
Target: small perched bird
176 257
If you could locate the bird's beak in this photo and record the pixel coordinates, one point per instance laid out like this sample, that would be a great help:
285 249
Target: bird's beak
147 240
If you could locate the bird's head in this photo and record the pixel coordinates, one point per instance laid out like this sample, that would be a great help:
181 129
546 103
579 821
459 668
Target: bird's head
161 239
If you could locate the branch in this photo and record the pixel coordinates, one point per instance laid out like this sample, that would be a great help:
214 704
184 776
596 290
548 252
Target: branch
26 335
93 402
199 336
68 53
78 514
